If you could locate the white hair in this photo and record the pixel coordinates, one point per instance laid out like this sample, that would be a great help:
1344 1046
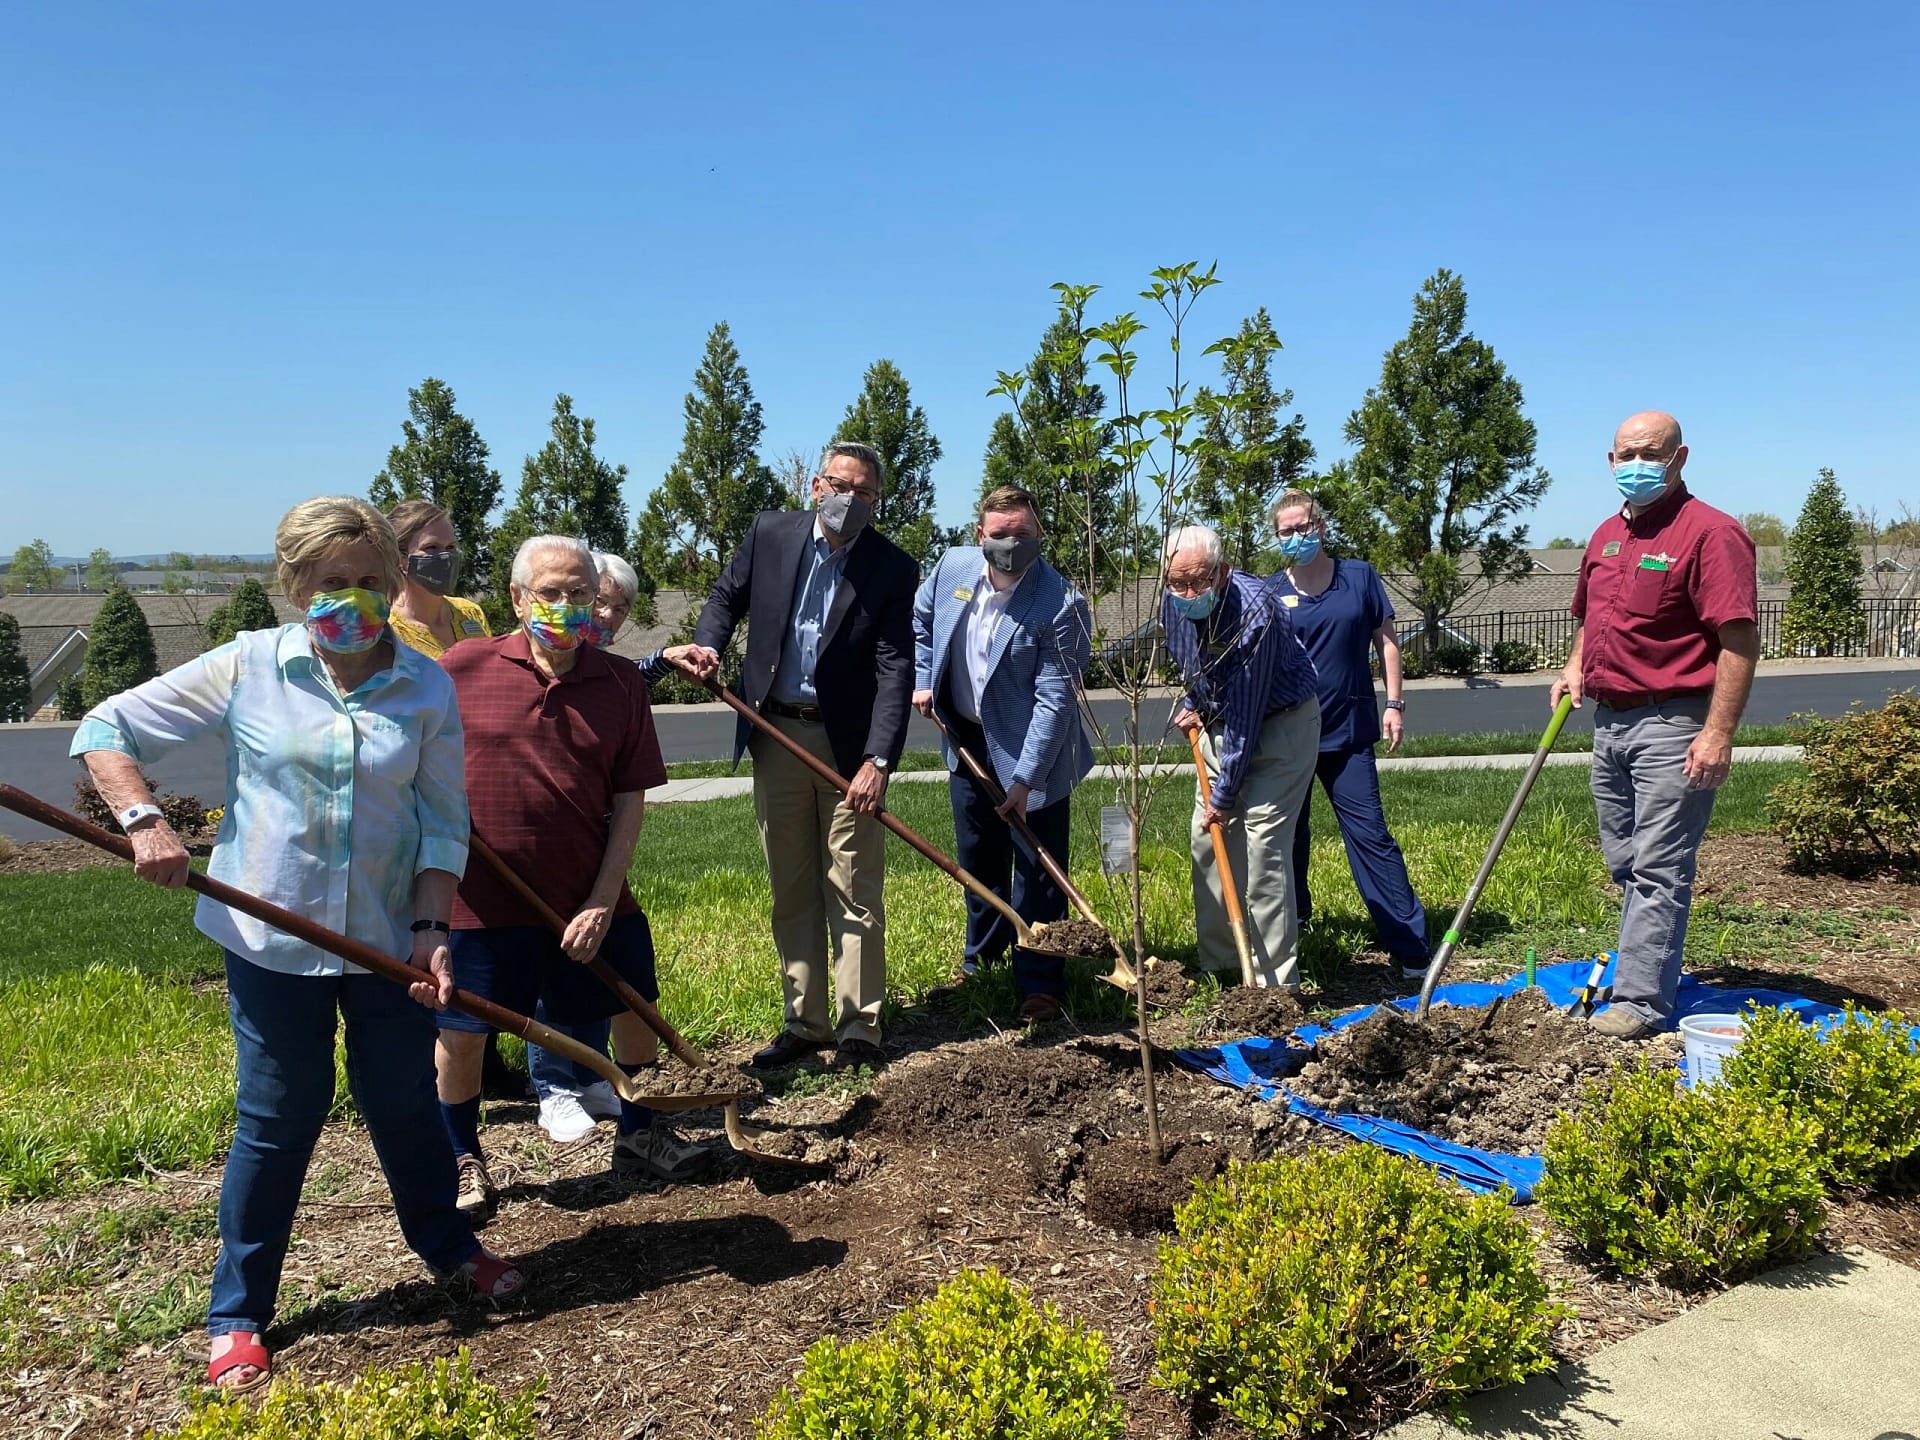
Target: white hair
614 568
1194 537
537 545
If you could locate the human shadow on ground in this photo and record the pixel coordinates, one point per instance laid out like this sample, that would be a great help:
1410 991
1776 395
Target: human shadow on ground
1752 977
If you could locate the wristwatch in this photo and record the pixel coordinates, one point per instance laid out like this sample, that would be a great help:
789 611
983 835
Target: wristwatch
134 814
1396 704
879 762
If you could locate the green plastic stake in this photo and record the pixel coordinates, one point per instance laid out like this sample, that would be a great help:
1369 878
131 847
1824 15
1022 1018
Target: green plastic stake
1530 963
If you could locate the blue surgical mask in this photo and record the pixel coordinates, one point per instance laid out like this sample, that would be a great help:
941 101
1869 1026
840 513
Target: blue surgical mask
1641 481
1197 607
1301 549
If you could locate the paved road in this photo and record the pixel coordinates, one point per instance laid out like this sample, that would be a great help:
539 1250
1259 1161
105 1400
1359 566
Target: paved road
34 757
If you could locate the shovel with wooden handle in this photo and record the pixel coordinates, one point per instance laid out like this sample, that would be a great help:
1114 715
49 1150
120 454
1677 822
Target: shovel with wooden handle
1122 973
354 952
1030 937
1228 890
739 1135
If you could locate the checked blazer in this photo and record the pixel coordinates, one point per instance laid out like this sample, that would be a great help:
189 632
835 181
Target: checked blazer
1033 730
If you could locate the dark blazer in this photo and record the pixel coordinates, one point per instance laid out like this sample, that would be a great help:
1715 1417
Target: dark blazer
864 673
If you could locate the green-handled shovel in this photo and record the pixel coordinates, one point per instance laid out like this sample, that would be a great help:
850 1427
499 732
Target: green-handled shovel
1437 966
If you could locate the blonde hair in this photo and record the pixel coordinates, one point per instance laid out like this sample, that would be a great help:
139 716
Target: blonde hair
312 528
410 517
1293 499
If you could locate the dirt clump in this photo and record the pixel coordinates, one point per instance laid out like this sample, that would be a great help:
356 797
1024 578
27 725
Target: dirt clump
1492 1077
1127 1192
681 1082
1075 937
1168 987
993 1092
1253 1010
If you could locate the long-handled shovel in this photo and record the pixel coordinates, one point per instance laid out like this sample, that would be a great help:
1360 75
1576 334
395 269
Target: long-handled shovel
1030 937
739 1135
1438 964
1122 973
1227 888
365 956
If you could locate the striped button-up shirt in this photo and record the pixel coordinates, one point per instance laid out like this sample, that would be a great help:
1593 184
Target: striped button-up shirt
334 802
1241 664
821 567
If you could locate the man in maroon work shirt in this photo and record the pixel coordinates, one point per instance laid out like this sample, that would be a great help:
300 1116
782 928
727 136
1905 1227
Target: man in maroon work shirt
1667 600
560 753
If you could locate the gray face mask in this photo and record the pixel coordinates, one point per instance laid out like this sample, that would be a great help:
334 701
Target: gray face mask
1011 554
437 571
845 515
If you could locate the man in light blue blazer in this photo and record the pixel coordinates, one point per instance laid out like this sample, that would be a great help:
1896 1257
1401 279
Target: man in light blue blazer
1000 641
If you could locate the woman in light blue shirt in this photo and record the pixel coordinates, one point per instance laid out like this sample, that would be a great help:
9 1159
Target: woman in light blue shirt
346 803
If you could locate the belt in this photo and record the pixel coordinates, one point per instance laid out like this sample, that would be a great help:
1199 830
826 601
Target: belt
1633 700
809 713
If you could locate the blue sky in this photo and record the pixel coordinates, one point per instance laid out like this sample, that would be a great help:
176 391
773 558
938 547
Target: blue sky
234 235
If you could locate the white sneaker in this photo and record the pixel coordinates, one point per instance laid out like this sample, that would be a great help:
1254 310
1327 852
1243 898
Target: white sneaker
563 1119
599 1101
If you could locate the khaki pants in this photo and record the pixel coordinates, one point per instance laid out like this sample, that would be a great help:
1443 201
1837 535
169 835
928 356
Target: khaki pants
1259 839
828 869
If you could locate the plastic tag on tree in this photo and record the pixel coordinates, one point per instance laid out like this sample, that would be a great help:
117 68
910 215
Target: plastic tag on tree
1116 840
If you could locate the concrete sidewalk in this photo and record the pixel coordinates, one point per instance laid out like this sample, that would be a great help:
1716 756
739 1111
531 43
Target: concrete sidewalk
1823 1350
718 787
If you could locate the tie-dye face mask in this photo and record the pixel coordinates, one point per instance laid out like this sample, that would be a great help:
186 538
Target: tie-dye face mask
347 621
559 627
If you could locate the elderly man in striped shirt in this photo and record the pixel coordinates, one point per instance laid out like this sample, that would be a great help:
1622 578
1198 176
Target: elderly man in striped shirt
1251 698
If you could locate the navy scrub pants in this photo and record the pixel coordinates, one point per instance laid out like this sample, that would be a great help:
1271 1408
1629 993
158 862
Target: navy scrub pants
1379 870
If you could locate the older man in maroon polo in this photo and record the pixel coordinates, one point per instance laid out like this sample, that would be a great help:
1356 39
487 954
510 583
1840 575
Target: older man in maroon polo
1668 604
560 753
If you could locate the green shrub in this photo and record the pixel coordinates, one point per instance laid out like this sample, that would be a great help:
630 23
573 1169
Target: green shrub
1693 1185
437 1401
978 1361
1454 657
1856 799
1515 657
71 697
1343 1288
1858 1082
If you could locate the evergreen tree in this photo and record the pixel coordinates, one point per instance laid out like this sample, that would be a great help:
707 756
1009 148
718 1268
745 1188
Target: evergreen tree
1824 612
443 459
248 608
120 651
100 570
885 417
1246 456
702 508
16 680
1444 463
1056 444
32 568
566 489
71 697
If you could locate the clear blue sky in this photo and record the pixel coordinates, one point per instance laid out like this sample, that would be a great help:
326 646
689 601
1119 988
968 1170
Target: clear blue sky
235 234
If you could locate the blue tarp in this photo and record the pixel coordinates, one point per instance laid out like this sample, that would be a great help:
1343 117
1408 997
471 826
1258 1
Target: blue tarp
1262 1066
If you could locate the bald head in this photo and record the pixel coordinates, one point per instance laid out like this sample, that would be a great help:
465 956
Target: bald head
1650 435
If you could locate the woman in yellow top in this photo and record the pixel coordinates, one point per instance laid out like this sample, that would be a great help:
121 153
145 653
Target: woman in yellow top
427 614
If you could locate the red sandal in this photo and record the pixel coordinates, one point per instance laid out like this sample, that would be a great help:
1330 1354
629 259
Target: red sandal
489 1277
243 1350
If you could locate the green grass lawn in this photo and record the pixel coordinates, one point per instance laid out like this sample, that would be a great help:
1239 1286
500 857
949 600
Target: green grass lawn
115 1050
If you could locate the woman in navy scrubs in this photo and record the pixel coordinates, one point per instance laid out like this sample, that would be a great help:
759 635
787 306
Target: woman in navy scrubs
1340 611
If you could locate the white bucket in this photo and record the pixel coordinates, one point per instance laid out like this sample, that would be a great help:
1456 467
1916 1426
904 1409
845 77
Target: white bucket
1709 1040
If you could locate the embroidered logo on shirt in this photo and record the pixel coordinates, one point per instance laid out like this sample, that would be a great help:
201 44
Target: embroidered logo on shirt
1612 547
1655 562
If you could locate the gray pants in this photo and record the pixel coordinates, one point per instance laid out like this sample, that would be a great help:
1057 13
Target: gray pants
1650 828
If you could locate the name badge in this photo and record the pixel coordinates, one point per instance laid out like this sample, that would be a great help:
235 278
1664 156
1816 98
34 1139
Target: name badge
1655 562
1289 601
963 594
1612 547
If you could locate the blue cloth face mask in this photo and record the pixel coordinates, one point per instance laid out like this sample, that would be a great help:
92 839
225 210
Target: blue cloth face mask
1641 481
1197 607
1301 549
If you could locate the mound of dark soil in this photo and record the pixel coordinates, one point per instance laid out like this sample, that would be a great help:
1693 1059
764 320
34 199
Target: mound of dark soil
993 1092
1168 987
1493 1077
1126 1191
1244 1011
1075 937
681 1083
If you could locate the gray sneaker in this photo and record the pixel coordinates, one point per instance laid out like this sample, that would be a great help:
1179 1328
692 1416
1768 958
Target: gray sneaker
475 1197
658 1153
1619 1024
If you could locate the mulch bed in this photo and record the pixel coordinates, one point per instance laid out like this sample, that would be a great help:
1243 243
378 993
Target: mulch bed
63 856
679 1311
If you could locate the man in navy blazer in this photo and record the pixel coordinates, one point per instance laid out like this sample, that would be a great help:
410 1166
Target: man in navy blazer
1000 641
830 664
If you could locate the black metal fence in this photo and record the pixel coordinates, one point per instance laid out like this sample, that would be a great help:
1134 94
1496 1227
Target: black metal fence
1889 628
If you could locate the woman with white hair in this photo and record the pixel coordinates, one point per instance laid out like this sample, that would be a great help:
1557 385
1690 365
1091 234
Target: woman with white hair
348 806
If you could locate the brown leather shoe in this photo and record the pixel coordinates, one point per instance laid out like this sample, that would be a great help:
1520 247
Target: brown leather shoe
1039 1009
787 1049
853 1052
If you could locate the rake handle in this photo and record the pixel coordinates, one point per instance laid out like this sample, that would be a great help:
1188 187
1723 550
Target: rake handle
344 946
603 972
1228 890
885 817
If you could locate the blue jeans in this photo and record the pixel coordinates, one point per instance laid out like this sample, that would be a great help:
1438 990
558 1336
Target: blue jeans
1651 823
283 1028
551 1072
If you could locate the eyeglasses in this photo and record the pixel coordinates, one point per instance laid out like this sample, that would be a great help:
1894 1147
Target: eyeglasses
1293 532
557 594
846 487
